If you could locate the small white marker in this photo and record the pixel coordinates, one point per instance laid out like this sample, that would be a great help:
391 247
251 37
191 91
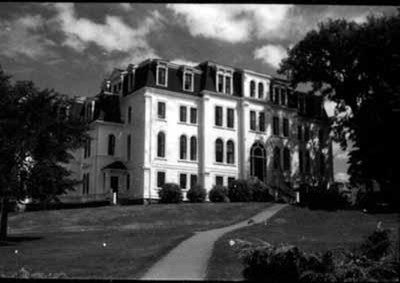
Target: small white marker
231 243
104 244
16 251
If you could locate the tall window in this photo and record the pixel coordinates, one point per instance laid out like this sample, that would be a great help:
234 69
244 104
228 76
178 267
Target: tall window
252 89
271 93
301 161
277 91
128 182
230 118
182 114
128 147
220 83
228 84
277 158
188 81
193 115
260 90
230 152
129 114
285 127
308 162
111 144
218 115
299 132
183 146
283 96
182 181
160 179
161 110
252 120
219 180
275 122
286 159
161 144
261 121
193 180
219 151
162 76
85 184
230 181
193 148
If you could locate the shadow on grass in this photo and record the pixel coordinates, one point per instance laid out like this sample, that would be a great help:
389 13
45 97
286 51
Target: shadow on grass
13 240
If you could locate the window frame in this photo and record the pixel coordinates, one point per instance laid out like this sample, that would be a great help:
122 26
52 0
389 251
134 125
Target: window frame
165 68
230 123
191 74
161 146
183 114
219 153
261 121
163 174
230 152
129 115
111 145
260 90
184 175
286 159
162 109
193 149
192 177
275 126
219 177
252 89
217 107
183 147
285 127
253 120
193 110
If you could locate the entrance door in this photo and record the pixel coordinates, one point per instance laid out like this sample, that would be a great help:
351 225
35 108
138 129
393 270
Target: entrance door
258 161
114 184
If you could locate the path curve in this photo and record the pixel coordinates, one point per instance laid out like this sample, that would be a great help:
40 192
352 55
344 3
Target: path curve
188 261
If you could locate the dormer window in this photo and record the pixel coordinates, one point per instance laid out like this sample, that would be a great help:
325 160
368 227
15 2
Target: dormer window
188 80
224 81
162 75
220 83
228 84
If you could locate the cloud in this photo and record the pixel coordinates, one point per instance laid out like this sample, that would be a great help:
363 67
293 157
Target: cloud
341 176
184 62
232 23
114 35
271 54
22 37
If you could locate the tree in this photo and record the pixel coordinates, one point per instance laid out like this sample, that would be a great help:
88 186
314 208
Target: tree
36 137
356 66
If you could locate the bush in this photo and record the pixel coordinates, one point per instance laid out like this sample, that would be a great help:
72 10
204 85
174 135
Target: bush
170 193
218 194
377 244
240 191
319 198
260 191
196 194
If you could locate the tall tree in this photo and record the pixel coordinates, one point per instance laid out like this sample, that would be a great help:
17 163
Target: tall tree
357 66
36 137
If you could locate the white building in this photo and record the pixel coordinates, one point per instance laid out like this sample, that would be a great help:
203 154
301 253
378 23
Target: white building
159 122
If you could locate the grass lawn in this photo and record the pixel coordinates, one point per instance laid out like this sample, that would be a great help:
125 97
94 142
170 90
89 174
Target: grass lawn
71 241
309 230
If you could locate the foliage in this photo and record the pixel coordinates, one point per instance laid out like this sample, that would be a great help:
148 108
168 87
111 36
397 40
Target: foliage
260 191
26 273
170 193
355 65
377 244
320 198
196 194
218 194
240 191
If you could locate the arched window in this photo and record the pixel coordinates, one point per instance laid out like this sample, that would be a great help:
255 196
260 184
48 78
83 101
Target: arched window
193 148
183 146
129 114
161 144
219 151
277 158
111 144
286 159
230 152
260 90
258 161
252 89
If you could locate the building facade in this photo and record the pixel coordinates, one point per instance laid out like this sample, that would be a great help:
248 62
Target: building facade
159 122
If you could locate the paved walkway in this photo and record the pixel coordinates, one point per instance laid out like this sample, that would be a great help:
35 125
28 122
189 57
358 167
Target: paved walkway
188 261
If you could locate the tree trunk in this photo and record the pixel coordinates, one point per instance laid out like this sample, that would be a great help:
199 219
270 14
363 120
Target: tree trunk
4 219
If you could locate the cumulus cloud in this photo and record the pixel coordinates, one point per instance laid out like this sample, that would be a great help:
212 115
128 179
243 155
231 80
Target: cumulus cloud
22 37
341 176
271 54
180 61
112 35
232 23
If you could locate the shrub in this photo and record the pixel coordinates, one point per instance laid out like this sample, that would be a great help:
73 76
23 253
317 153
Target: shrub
240 191
319 198
377 244
196 194
218 194
170 193
260 191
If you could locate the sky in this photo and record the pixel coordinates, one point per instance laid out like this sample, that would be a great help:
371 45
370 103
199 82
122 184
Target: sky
71 47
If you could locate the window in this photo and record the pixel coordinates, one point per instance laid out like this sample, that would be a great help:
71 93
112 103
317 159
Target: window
218 115
277 91
161 110
285 127
188 81
252 120
160 179
85 184
230 118
271 93
230 181
301 161
183 147
261 121
220 83
111 144
306 133
193 115
260 90
193 148
219 151
275 122
308 162
252 89
230 152
283 96
182 114
219 180
228 84
299 132
161 144
161 76
128 147
286 159
277 158
193 180
129 115
128 182
182 181
86 149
